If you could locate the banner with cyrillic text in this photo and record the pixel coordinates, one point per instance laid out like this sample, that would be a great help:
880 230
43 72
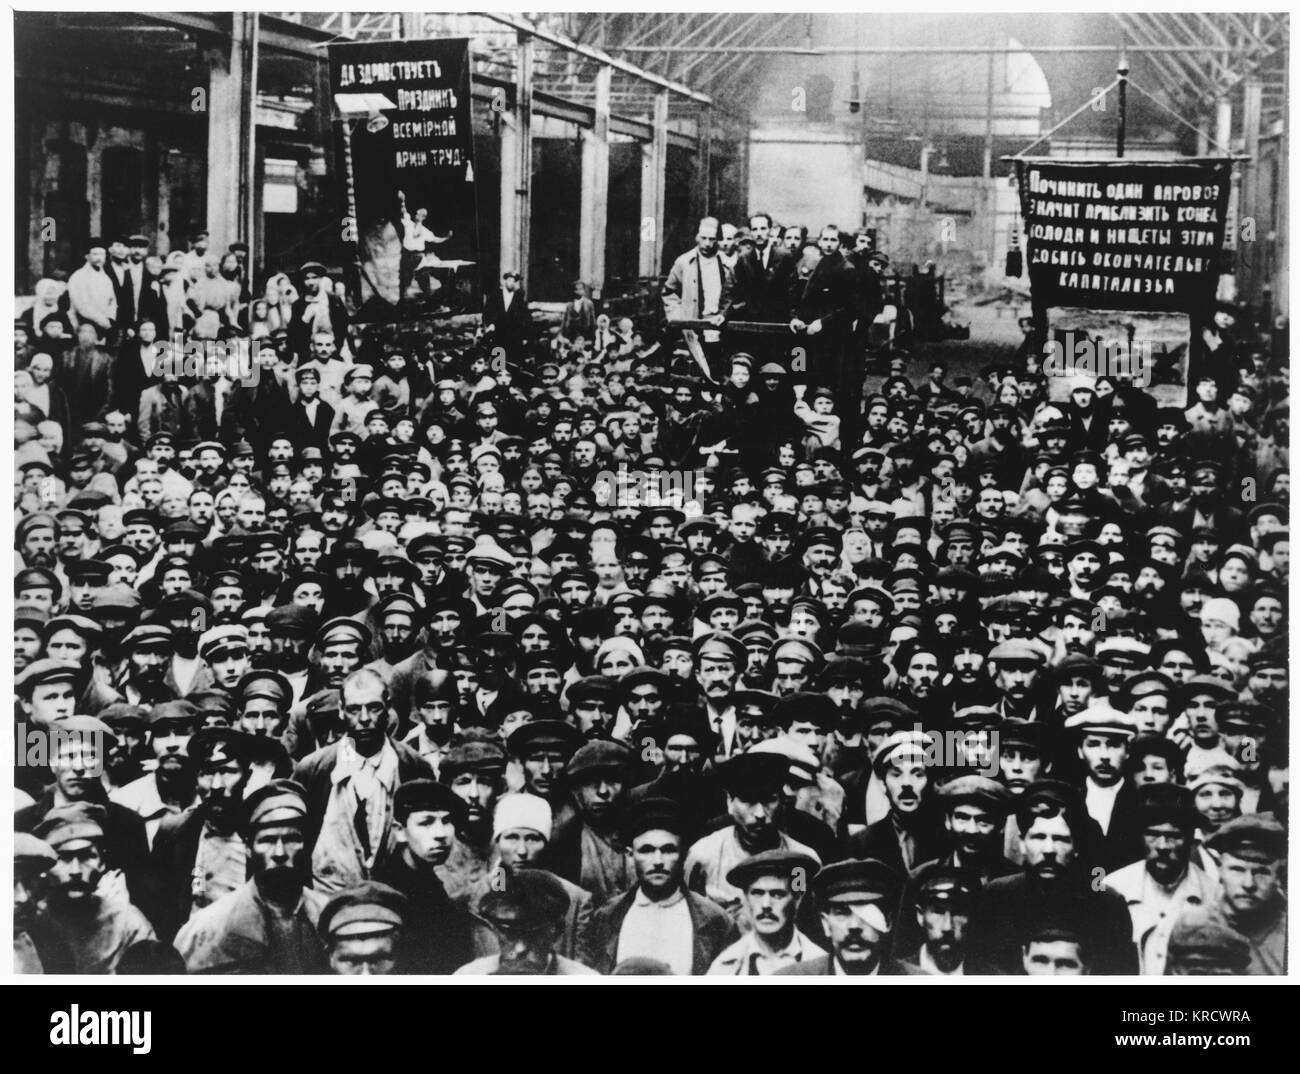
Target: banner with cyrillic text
1124 235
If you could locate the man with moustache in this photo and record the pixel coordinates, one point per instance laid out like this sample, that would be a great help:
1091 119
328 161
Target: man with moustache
97 922
658 918
1059 842
198 855
292 629
975 810
719 660
911 833
943 897
267 924
858 900
1103 734
37 947
1017 668
170 788
1158 888
773 883
148 652
439 936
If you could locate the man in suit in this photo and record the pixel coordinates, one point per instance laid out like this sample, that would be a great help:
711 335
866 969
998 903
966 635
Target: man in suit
699 289
198 855
310 417
351 784
859 902
763 276
658 918
506 317
822 317
911 833
318 310
1111 799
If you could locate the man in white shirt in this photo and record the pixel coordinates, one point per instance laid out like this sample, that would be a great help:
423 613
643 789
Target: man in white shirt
658 919
91 294
1158 888
1104 734
772 884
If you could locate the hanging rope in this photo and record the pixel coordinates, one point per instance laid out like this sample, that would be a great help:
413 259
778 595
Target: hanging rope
1078 111
1226 150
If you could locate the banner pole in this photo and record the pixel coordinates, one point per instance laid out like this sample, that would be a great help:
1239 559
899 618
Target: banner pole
1122 71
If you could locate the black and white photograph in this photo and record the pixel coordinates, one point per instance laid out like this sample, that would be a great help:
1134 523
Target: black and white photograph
652 494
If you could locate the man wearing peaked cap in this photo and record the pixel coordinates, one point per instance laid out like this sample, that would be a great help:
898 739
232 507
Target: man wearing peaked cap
225 650
657 917
773 883
341 645
1201 945
1167 880
262 701
200 854
1251 851
364 929
940 899
858 900
38 948
268 923
720 659
1103 734
526 910
911 832
756 803
96 925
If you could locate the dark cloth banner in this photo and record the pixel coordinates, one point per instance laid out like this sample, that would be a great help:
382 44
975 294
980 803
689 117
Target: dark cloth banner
408 148
1124 235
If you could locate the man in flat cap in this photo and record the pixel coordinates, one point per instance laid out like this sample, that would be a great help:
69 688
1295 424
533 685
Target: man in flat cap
1252 850
912 831
267 924
1059 842
526 910
658 918
38 948
350 786
438 936
1167 881
170 788
364 930
474 769
590 850
975 810
719 661
773 883
1201 945
199 855
858 900
756 803
96 923
78 747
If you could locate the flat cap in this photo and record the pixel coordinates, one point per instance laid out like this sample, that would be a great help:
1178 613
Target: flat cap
72 822
858 880
524 899
281 801
976 790
426 796
1257 836
788 864
369 909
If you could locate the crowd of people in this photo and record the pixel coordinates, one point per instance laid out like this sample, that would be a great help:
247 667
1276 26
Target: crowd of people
645 645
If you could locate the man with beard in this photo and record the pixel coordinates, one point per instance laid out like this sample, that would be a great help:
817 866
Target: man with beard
185 614
130 750
645 693
1058 838
266 552
773 883
719 659
910 833
292 629
37 946
97 923
396 618
918 664
36 538
1103 734
1017 666
169 789
445 619
658 918
1246 731
268 923
439 936
944 897
754 785
1251 852
824 308
593 705
148 652
858 902
346 566
590 851
350 786
199 855
1158 888
261 708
